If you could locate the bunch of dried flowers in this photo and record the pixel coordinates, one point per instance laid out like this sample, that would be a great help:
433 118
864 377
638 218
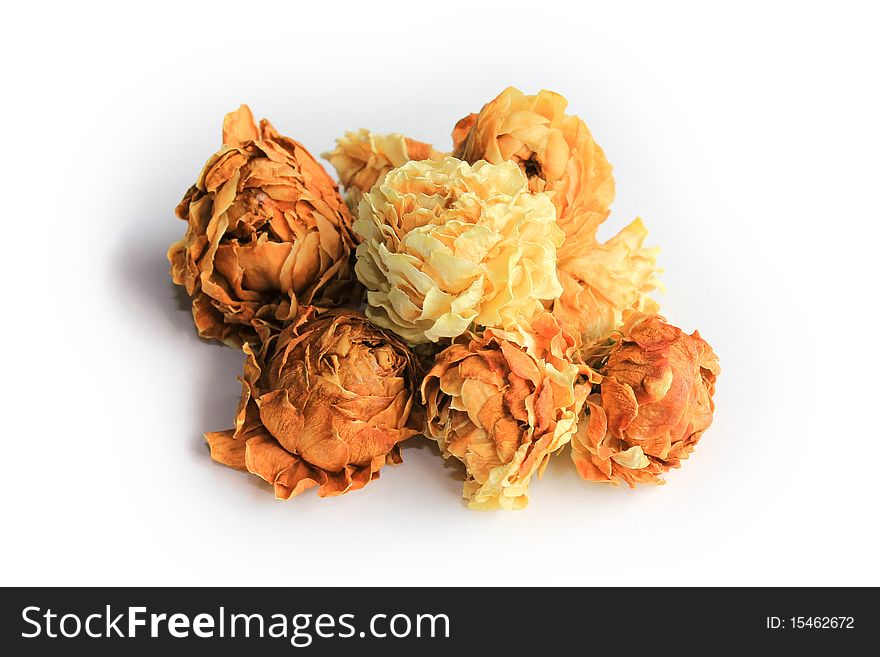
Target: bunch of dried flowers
464 296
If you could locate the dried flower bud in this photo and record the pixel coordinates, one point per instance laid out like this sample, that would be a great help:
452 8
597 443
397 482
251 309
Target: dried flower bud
554 149
654 403
362 159
602 281
445 244
502 409
266 230
324 403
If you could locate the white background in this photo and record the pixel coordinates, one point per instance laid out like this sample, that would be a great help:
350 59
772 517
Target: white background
746 138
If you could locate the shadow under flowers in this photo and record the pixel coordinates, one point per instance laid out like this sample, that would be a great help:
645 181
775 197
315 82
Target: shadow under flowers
159 313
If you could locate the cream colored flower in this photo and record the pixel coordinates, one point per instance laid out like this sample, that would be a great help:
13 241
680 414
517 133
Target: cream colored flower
362 159
445 245
554 149
603 280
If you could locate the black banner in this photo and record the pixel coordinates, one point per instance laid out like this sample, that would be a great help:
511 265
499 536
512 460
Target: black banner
401 620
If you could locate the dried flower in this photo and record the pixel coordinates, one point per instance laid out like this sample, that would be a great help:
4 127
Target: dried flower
602 281
266 230
555 150
362 159
502 409
445 245
324 403
653 404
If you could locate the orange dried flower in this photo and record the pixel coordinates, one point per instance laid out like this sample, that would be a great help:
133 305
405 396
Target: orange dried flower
502 409
266 230
601 281
652 406
554 149
324 403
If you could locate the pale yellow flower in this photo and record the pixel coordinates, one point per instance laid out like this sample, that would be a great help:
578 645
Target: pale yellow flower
445 245
362 159
603 280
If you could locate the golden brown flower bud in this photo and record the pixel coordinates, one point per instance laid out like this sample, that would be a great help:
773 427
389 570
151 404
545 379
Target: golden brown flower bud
324 403
653 404
554 149
502 409
602 281
266 230
362 159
